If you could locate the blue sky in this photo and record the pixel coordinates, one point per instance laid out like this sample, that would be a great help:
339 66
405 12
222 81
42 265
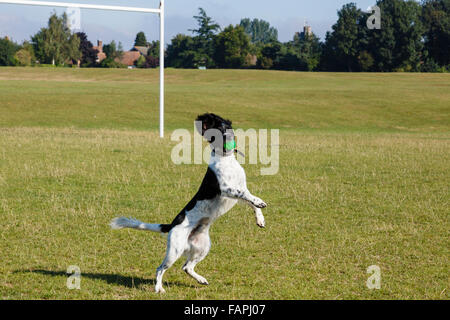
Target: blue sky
288 16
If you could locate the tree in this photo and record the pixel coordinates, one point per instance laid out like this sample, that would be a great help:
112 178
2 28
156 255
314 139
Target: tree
204 38
207 28
232 47
140 62
181 53
269 55
7 51
23 58
259 30
343 45
153 49
435 17
56 44
308 49
113 51
141 40
398 44
88 53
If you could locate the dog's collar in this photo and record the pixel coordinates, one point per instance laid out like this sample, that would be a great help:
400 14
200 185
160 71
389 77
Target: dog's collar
230 145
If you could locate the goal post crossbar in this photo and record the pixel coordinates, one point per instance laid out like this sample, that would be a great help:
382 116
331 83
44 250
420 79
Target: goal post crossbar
159 11
81 6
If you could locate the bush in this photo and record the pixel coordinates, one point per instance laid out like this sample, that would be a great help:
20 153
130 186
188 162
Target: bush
432 66
111 63
23 58
232 46
264 62
8 50
147 62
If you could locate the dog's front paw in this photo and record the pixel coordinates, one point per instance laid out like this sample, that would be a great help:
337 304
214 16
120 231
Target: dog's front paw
260 222
259 203
202 280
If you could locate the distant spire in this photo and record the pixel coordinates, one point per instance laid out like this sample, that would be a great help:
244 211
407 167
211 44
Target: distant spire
307 30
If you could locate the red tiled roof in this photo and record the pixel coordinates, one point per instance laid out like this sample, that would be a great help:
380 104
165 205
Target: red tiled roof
130 57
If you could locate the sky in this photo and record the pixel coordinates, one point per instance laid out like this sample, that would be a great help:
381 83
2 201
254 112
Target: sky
19 22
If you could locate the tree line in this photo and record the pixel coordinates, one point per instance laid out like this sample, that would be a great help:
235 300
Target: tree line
414 37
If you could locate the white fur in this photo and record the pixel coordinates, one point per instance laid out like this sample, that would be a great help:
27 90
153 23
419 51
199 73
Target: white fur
185 239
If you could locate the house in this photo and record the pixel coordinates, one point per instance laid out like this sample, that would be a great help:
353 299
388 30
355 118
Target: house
100 55
141 49
129 58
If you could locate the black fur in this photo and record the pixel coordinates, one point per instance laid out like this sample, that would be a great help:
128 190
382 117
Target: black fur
209 189
213 121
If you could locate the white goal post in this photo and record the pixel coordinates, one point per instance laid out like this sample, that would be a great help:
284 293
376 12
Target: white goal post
159 11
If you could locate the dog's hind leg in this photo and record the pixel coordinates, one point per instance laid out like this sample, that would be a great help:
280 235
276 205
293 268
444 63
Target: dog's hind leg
176 246
200 244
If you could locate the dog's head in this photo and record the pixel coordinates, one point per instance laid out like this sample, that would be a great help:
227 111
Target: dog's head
218 132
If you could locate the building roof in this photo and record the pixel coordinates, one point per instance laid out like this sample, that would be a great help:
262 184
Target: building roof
143 50
130 57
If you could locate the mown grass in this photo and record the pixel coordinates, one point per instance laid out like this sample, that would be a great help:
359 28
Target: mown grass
363 180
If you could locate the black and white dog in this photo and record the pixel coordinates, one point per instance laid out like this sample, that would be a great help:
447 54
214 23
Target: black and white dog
223 185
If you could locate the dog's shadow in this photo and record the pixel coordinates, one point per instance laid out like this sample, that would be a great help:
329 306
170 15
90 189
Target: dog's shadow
115 279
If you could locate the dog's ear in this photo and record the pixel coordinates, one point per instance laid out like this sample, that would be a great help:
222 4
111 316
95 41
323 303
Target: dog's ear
205 122
208 121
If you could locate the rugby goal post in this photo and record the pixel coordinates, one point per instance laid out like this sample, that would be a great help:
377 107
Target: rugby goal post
159 11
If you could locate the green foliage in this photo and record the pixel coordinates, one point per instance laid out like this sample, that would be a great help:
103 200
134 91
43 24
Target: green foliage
181 52
268 55
398 45
23 58
113 51
301 54
147 62
207 28
111 63
309 50
436 20
343 44
141 40
140 62
232 47
153 49
204 38
55 44
8 50
259 30
89 54
366 61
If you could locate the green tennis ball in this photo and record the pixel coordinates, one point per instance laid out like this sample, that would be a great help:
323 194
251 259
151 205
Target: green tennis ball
230 145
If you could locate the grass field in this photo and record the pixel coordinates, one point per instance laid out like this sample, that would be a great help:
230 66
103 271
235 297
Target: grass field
364 180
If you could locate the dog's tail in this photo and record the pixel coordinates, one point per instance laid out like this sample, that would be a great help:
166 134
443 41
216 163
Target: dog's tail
121 222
